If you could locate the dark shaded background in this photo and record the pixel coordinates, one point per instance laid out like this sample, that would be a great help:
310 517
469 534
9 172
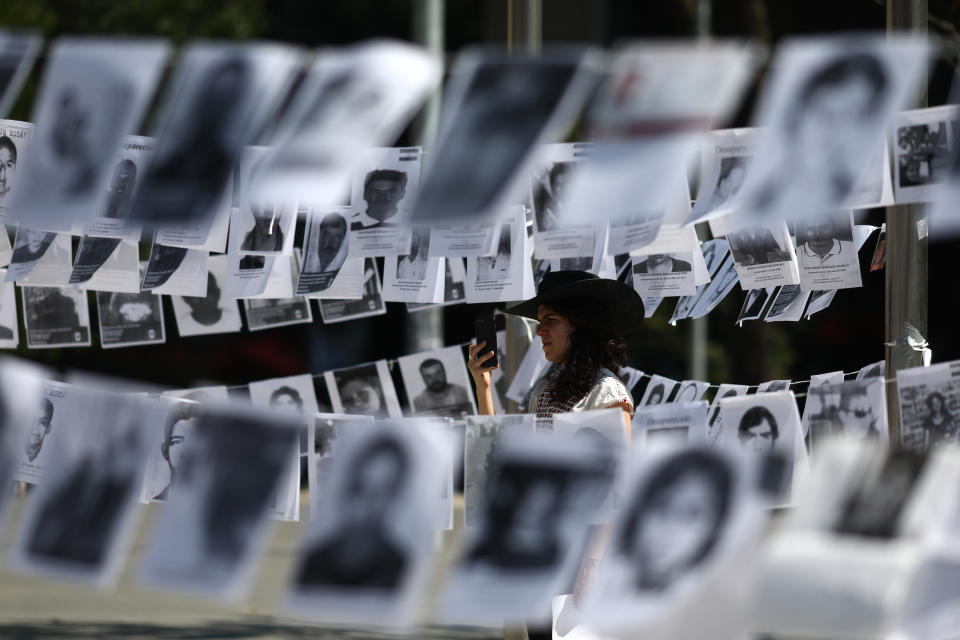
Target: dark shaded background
846 336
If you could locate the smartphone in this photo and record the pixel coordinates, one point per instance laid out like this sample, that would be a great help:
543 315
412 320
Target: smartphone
486 329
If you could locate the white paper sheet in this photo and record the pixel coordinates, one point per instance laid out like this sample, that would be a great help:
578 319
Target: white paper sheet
385 185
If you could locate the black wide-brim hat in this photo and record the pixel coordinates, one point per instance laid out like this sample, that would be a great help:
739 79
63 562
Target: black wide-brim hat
623 303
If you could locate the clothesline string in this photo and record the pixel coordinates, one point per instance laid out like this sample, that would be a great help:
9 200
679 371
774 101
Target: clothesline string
394 361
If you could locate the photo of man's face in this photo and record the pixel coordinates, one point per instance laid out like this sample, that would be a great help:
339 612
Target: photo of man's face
8 165
383 189
856 414
39 430
371 492
758 430
434 376
287 399
332 232
35 240
360 397
175 444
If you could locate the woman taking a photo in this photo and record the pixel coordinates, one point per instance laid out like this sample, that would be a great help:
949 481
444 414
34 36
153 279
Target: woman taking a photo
583 319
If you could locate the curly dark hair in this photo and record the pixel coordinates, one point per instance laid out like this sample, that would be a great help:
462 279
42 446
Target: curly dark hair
593 345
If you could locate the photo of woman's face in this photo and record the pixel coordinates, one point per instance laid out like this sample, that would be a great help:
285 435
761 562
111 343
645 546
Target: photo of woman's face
675 527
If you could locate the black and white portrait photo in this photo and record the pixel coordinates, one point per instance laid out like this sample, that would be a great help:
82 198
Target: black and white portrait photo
365 389
267 313
503 275
323 431
212 313
292 394
875 505
414 277
325 248
370 304
480 443
856 409
9 333
924 143
176 271
497 266
675 519
126 170
541 492
438 384
49 417
690 391
756 246
499 110
204 130
56 317
385 187
123 182
720 286
413 265
764 424
826 253
14 140
92 95
266 226
825 108
659 263
684 514
29 246
83 511
129 319
548 193
733 170
555 236
929 406
658 390
363 556
231 467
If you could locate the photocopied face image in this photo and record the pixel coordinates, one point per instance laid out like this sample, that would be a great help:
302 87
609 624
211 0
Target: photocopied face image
39 430
123 182
201 138
8 166
230 467
758 430
30 245
661 263
363 390
437 383
413 266
547 195
324 251
84 504
756 246
675 519
362 556
44 424
504 109
825 241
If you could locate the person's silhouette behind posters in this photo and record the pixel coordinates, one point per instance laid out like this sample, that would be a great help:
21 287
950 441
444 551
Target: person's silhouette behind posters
39 430
360 553
676 520
122 184
206 310
520 530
